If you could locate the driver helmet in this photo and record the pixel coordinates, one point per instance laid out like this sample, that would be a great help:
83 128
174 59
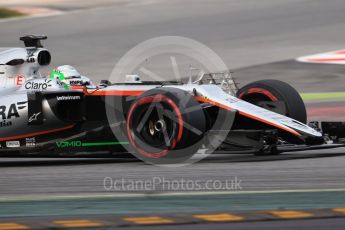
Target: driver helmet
69 75
65 72
68 71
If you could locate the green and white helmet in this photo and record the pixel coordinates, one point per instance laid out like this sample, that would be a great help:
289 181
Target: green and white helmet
70 76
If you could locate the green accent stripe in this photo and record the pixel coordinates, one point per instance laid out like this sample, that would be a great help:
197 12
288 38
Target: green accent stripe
323 96
104 143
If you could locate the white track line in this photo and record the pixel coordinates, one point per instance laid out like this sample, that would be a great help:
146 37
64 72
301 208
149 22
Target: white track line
167 194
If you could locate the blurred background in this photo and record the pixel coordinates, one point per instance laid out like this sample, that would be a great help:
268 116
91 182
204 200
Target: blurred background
256 39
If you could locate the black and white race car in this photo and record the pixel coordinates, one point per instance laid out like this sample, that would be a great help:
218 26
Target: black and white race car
157 121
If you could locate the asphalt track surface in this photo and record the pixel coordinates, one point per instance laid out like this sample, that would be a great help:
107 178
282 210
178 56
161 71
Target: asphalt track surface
299 224
290 171
245 34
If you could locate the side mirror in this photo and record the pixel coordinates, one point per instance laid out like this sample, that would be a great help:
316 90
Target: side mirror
85 83
105 82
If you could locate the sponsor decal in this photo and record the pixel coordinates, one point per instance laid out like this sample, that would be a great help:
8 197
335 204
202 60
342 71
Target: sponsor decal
35 114
12 144
232 99
30 142
34 117
38 85
66 144
5 123
76 82
31 59
9 112
67 98
19 80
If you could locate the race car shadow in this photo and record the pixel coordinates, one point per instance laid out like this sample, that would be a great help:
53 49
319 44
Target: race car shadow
36 161
227 158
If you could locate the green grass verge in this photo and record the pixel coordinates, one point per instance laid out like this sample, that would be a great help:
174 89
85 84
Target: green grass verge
6 13
323 96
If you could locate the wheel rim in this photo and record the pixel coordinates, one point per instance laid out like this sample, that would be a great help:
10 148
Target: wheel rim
154 126
265 99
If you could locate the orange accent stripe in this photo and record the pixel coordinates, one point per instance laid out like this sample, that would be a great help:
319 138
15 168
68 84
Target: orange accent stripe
77 87
115 93
247 115
36 133
202 99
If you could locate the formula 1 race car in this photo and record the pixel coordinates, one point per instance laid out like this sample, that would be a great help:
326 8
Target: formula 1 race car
156 121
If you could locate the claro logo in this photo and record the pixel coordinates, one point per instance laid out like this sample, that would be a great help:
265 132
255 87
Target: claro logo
38 85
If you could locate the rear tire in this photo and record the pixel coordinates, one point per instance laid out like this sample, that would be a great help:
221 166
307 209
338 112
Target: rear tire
164 125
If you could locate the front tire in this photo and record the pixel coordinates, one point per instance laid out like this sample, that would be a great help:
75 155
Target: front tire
276 96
